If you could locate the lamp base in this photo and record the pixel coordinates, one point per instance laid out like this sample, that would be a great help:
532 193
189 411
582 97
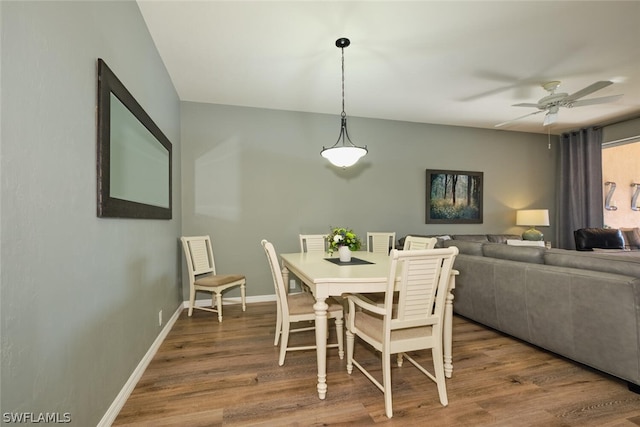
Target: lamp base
532 234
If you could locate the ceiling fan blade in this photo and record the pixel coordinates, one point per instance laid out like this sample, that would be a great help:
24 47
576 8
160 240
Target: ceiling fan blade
592 101
518 118
526 104
587 90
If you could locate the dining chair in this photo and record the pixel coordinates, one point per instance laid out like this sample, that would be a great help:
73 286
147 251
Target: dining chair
414 322
381 242
412 243
295 308
313 242
203 277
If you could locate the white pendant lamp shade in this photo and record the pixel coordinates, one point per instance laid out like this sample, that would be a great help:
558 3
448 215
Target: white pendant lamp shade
343 156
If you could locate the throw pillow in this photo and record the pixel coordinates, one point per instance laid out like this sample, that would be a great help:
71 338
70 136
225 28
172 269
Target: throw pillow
631 237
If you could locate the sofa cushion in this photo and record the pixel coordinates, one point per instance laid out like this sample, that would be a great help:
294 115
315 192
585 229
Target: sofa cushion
470 237
502 238
534 255
467 247
625 263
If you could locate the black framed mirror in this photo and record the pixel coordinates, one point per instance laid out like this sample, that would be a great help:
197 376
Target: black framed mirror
134 156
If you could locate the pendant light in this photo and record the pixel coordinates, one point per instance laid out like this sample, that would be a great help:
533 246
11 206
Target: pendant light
346 154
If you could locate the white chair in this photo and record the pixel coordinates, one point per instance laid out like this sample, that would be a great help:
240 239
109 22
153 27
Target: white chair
381 242
202 275
298 308
412 243
313 242
414 323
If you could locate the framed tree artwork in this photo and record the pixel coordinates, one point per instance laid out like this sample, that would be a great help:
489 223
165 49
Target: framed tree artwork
453 197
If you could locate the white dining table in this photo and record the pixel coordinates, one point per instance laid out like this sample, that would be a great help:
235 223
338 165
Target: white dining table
325 279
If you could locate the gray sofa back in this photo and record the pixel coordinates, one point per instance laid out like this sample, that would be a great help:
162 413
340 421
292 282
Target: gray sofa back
621 262
626 263
589 316
467 247
444 238
534 255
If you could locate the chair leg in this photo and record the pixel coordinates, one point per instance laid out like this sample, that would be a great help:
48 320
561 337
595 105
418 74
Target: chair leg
350 345
339 332
284 342
399 360
438 367
278 324
243 296
192 300
219 305
386 384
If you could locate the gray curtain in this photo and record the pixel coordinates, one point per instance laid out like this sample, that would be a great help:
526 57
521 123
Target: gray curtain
580 200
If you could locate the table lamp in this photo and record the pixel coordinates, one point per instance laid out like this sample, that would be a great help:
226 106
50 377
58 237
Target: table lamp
531 218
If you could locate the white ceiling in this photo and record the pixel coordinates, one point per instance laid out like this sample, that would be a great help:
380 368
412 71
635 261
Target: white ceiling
443 62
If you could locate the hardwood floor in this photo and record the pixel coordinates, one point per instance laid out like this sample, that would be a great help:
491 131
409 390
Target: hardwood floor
211 374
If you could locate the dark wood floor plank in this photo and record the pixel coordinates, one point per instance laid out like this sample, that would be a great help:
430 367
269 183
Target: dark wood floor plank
226 374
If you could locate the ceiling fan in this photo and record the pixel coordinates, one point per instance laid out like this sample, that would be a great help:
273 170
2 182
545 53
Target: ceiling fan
552 102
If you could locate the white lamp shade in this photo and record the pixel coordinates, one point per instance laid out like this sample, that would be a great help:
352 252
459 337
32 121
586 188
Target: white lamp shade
532 217
343 156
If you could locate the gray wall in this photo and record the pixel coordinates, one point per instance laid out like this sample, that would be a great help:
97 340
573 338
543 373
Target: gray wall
250 174
80 295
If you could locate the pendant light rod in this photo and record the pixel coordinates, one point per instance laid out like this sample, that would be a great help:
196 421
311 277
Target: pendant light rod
343 155
342 43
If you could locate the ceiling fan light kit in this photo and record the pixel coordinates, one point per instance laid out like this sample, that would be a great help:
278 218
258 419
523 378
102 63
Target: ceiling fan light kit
552 116
552 102
348 153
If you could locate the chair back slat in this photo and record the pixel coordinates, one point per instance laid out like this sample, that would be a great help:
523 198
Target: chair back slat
422 287
419 288
200 255
413 243
313 242
381 242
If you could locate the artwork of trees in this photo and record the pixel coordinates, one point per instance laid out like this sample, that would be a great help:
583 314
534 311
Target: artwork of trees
454 197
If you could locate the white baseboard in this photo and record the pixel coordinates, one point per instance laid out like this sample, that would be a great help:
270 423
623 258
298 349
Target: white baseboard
113 411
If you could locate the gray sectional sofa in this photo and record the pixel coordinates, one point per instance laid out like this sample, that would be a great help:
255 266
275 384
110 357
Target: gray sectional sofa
442 238
582 305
